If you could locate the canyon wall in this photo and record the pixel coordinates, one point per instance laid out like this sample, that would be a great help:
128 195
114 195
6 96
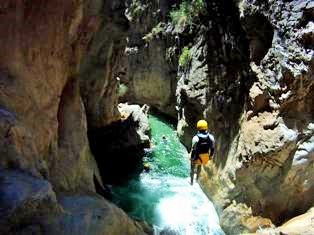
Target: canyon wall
263 123
150 73
274 149
48 100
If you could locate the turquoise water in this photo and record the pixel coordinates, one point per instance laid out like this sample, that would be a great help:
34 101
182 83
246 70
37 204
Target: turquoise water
168 156
163 196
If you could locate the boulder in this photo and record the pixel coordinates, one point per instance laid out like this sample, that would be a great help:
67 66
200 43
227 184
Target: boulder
238 219
23 200
94 216
139 115
302 224
28 205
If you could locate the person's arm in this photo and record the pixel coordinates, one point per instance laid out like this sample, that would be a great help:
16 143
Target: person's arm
212 145
194 142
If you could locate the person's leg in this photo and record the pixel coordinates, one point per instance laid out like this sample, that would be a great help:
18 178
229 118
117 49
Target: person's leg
198 170
192 172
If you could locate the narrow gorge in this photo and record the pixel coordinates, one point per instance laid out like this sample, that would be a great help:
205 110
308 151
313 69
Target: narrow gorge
88 89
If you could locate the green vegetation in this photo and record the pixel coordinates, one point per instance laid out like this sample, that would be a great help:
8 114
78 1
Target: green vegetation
188 12
185 58
136 9
122 90
154 32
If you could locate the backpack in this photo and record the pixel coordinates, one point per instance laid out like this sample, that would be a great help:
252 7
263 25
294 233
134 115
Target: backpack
200 152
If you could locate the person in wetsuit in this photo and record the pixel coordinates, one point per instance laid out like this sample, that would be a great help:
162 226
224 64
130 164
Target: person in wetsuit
203 147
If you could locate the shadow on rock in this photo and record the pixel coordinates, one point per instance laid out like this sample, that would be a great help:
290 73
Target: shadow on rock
118 148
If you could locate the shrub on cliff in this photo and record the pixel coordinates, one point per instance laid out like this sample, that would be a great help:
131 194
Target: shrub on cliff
185 58
155 32
135 10
187 12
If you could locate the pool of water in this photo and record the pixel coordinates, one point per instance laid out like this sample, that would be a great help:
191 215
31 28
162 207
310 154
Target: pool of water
163 196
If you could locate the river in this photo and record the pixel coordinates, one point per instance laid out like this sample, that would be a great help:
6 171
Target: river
163 196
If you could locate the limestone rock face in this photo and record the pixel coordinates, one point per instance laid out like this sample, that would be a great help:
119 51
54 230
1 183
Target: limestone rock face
251 78
100 73
214 85
100 68
44 99
42 116
276 159
150 75
268 162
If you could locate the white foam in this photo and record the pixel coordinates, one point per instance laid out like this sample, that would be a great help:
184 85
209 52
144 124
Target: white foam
187 210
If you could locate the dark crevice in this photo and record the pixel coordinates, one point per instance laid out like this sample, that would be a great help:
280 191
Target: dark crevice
68 99
163 116
260 33
308 16
261 104
298 111
307 38
271 126
102 190
116 150
229 74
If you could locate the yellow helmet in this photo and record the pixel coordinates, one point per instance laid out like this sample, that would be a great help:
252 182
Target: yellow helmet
202 125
